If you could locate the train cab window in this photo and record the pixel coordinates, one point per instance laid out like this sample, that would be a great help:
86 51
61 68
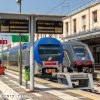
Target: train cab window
79 51
49 49
49 52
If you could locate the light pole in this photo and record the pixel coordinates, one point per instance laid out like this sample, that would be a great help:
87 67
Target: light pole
20 4
20 62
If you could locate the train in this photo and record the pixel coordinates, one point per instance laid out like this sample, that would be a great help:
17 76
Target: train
52 56
77 57
48 54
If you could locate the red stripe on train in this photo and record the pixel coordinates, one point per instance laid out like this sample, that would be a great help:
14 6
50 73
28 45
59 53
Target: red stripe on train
50 63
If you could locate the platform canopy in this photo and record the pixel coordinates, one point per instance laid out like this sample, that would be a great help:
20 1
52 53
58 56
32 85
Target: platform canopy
95 33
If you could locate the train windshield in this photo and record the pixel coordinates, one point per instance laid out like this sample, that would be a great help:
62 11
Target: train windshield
49 52
79 51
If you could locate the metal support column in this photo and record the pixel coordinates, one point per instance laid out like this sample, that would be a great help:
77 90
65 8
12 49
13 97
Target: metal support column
32 62
20 65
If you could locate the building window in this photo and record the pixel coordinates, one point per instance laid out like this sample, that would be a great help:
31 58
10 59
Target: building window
95 16
84 27
67 28
74 25
83 22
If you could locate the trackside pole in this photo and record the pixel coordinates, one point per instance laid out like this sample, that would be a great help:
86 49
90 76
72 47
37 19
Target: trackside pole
32 31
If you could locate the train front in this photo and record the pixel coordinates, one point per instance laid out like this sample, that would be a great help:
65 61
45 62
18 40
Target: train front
77 57
48 54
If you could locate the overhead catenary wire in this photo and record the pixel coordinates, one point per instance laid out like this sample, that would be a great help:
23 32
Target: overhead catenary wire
85 3
55 7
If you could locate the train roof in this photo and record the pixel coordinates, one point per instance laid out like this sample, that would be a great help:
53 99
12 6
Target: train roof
4 51
14 49
26 45
48 40
72 43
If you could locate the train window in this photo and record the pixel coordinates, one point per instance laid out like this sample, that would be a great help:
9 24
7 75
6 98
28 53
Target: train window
79 51
49 49
13 55
4 57
49 46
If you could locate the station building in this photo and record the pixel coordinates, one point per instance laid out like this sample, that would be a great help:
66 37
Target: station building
84 25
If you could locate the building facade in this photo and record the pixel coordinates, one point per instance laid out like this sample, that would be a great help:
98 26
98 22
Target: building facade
84 26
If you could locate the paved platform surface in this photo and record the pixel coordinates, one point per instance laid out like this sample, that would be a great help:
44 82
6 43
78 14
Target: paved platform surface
97 74
44 90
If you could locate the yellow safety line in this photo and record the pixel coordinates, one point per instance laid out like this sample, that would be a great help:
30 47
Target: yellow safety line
67 56
44 81
49 83
82 93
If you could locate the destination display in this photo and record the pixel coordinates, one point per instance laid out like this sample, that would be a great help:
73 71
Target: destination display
49 27
14 26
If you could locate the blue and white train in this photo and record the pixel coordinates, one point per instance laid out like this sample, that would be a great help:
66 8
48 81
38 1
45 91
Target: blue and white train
48 54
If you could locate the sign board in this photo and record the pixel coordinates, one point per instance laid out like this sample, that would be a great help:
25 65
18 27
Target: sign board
49 27
3 41
16 38
25 38
14 26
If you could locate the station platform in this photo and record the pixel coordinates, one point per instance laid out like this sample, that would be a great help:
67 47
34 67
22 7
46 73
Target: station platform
44 90
97 74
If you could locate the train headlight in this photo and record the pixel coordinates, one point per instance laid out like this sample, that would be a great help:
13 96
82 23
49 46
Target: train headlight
78 63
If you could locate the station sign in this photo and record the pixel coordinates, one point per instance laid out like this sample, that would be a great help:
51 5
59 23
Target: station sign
16 38
49 27
14 26
3 41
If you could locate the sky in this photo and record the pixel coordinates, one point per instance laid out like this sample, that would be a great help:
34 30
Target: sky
56 7
41 6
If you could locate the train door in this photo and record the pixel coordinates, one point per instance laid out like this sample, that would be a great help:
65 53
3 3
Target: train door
25 57
5 59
